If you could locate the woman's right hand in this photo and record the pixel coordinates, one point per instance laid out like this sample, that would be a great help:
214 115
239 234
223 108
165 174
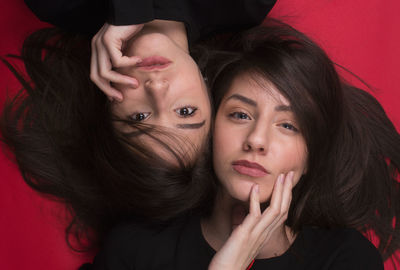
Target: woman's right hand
107 46
246 241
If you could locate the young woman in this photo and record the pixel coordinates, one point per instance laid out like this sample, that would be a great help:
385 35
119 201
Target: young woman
310 157
99 157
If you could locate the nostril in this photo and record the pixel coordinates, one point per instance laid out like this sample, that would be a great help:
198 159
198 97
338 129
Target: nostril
158 84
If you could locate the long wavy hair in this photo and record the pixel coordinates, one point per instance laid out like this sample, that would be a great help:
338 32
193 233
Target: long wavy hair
353 147
60 129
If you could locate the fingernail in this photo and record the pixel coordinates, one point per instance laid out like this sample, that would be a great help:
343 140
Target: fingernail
291 174
281 178
257 189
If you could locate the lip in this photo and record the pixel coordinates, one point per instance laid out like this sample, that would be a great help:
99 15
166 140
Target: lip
154 63
249 168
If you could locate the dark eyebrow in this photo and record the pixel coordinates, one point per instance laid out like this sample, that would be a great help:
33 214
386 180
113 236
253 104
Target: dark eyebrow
283 108
243 99
191 126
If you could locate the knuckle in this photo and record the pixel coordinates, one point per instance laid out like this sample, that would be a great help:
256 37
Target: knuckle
104 38
285 216
98 41
103 74
93 42
275 212
257 216
92 76
116 62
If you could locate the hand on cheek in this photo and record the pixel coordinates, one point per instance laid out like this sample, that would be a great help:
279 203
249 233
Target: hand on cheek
249 237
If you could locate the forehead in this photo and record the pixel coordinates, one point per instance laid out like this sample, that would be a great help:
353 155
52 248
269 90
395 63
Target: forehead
258 88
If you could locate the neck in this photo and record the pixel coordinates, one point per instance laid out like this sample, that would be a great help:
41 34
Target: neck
218 227
176 31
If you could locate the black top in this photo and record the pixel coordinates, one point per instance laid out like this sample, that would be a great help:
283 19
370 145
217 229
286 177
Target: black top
201 17
182 246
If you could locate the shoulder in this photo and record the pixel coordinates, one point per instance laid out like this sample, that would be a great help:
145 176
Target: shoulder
132 245
343 248
121 245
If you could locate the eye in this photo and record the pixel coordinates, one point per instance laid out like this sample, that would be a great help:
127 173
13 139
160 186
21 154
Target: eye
289 127
140 116
240 116
186 111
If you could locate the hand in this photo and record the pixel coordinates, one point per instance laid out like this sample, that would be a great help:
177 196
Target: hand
248 238
107 46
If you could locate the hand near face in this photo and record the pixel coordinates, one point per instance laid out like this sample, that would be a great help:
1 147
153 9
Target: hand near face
248 238
107 46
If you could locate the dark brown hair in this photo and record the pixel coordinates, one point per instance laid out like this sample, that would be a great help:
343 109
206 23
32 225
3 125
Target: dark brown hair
354 149
60 129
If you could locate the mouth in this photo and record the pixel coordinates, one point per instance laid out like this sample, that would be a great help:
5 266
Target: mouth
248 168
154 63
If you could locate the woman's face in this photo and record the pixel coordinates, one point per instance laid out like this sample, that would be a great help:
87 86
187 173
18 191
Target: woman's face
256 138
171 94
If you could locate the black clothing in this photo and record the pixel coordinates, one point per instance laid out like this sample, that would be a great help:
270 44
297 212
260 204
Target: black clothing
182 246
201 17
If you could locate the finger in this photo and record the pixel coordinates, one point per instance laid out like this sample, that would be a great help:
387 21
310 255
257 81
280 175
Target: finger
276 197
110 91
114 50
272 213
286 199
114 40
255 201
119 60
254 215
287 192
103 84
94 70
105 70
118 78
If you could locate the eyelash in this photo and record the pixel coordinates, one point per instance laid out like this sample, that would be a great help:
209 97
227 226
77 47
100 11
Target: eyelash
192 111
235 115
134 116
289 127
190 114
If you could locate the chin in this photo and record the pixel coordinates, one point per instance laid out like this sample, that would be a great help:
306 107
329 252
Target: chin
265 197
241 191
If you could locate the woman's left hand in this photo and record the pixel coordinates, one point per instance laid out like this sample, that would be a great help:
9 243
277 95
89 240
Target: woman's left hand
107 46
248 238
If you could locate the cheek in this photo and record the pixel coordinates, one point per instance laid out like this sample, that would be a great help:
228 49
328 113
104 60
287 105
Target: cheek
220 143
292 157
223 146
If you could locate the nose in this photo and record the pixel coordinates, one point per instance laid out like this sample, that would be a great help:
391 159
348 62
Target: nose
157 85
257 140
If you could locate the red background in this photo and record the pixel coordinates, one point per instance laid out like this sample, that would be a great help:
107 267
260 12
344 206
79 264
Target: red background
361 35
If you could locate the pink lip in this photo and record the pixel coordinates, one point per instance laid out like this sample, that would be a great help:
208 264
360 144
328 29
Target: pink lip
252 169
154 63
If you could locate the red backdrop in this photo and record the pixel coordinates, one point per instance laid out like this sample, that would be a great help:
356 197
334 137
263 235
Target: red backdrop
361 35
